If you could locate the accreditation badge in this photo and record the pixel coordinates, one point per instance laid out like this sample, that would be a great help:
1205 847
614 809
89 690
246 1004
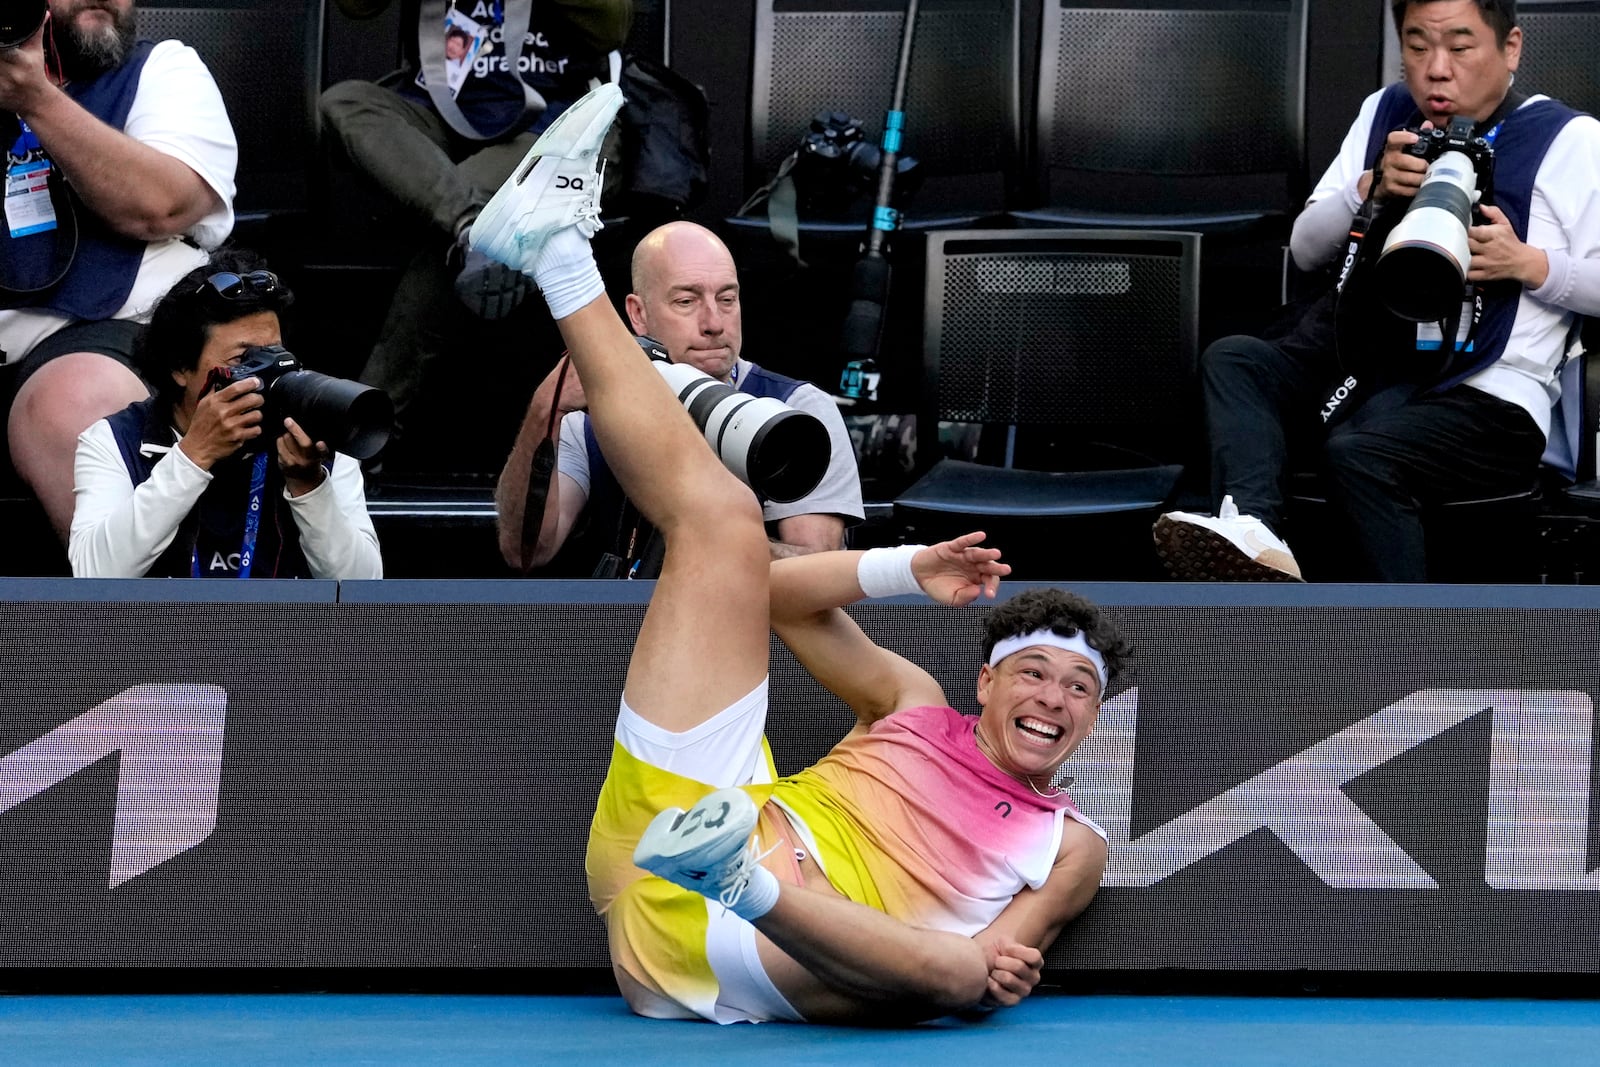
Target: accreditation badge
28 169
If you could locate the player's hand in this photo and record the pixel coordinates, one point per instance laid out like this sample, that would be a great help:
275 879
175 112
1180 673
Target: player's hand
223 420
1400 174
958 572
1498 253
1014 972
301 459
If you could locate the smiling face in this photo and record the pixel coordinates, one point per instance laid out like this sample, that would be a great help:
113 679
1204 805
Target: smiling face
1038 706
1453 64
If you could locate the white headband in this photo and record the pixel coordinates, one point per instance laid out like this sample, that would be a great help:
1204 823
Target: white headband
1075 643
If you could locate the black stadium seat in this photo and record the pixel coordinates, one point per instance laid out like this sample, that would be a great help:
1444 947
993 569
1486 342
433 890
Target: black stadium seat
266 56
1078 348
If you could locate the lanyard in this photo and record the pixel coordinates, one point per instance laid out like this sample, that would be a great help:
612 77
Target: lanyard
252 522
27 141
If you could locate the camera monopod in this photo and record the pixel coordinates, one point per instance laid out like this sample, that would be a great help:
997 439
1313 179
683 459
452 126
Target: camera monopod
869 284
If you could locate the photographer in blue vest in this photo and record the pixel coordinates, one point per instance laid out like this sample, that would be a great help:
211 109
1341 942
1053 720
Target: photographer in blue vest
482 79
119 176
1399 408
192 482
685 296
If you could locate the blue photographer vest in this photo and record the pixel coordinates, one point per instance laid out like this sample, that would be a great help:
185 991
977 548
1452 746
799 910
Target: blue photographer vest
606 501
106 263
1519 149
210 535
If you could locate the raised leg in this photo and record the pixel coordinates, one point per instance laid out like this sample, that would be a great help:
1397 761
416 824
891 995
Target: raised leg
704 640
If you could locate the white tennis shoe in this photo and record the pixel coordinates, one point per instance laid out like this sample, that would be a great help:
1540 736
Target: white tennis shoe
709 849
556 185
1227 548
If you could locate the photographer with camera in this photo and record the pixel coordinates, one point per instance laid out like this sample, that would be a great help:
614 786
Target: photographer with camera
1430 372
216 476
120 176
686 297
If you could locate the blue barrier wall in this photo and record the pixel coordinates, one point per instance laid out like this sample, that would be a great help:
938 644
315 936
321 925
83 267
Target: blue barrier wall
400 774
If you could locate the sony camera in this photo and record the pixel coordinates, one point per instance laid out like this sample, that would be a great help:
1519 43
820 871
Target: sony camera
1422 269
778 451
352 418
837 163
21 19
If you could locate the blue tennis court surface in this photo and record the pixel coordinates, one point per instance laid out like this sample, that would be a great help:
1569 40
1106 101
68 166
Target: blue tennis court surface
173 1031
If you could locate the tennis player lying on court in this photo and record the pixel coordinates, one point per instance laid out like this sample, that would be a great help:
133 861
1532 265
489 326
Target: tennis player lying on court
922 866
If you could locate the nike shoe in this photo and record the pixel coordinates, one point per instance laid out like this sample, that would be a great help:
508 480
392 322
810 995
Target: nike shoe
1228 548
556 185
708 849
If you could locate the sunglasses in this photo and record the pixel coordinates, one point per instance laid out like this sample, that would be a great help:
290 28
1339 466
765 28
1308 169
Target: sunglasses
240 287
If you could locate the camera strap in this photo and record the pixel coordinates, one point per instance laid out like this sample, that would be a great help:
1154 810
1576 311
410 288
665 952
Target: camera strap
783 206
252 522
540 473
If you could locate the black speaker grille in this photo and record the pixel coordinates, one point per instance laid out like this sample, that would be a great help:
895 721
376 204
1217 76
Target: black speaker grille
1078 338
258 58
1559 56
960 90
1175 92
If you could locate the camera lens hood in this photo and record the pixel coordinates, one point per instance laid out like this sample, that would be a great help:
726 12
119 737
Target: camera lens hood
20 20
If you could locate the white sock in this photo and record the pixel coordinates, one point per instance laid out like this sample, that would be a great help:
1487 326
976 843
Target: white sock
759 897
566 273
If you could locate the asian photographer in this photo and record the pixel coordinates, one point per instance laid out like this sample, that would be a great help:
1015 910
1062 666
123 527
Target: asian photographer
210 478
1410 387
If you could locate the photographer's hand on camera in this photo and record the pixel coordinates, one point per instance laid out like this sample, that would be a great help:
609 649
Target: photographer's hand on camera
1399 174
23 79
1498 254
223 421
301 459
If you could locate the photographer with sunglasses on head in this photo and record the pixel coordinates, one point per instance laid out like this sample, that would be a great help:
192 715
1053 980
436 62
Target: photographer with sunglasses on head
120 165
192 482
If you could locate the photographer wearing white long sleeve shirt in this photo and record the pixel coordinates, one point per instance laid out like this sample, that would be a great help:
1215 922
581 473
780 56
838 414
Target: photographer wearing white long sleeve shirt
192 483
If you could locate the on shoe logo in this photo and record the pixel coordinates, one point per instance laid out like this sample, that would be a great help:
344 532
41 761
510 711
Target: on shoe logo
170 741
695 819
565 182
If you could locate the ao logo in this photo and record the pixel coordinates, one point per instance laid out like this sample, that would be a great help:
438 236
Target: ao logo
1539 795
170 738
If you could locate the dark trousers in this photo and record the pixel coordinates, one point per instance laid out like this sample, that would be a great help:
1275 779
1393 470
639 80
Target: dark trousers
407 150
1385 459
414 157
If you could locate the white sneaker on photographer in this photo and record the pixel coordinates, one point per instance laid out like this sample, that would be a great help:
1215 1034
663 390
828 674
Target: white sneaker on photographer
556 185
1228 548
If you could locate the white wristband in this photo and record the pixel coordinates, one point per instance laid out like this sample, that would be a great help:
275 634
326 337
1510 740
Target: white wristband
887 571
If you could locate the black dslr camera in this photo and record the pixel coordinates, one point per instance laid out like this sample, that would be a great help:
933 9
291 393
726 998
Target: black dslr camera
837 163
1426 256
352 418
1457 137
21 19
